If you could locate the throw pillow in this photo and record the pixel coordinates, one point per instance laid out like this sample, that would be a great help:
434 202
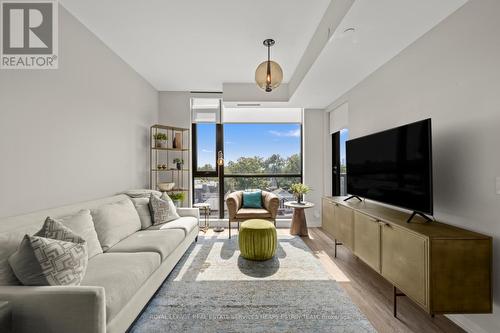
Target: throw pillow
115 221
252 199
41 261
81 224
162 209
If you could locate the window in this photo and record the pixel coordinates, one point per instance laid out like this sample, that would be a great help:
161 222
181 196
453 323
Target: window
206 189
205 147
256 156
344 135
262 149
263 156
339 162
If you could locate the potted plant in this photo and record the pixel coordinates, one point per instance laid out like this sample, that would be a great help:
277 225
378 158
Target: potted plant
160 140
177 198
178 162
299 190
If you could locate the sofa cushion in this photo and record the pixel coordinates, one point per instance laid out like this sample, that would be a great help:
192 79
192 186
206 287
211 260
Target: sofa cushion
142 207
115 221
142 193
81 224
186 223
162 242
253 213
121 275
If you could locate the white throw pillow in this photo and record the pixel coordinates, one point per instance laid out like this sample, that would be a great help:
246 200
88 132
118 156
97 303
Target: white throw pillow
115 221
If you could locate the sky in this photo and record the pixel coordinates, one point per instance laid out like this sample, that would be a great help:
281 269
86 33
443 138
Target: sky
344 136
248 140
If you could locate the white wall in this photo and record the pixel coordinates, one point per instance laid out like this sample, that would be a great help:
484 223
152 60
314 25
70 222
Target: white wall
76 133
175 108
313 127
452 75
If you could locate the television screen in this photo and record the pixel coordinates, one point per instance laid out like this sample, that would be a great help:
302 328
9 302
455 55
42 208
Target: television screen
393 166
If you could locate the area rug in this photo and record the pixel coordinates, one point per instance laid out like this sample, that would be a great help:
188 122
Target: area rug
214 289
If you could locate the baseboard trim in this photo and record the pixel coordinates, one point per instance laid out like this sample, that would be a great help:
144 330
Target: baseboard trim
465 323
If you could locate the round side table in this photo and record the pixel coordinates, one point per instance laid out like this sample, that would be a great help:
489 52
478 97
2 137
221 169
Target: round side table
299 224
205 209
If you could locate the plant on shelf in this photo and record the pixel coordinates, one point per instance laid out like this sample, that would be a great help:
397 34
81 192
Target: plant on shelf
177 198
299 189
160 140
178 162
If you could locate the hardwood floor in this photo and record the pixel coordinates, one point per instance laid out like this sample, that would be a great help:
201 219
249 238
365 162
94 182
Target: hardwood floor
371 292
368 290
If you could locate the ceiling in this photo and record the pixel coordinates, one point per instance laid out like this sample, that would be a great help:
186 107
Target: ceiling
383 28
197 45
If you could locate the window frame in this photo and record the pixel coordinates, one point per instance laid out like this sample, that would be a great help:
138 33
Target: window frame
219 172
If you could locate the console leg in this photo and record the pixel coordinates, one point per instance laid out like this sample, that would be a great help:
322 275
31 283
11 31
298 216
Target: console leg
229 227
395 295
335 248
335 251
394 302
352 197
427 218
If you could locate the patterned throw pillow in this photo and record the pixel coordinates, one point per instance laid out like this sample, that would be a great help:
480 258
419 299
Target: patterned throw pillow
54 256
162 210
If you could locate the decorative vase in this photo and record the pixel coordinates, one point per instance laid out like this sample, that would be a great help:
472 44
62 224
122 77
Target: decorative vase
177 203
177 142
179 166
299 198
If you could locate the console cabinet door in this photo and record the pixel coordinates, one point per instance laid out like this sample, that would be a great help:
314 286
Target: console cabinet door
367 240
327 216
404 261
344 225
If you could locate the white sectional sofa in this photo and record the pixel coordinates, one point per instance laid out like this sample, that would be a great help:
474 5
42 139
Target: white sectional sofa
117 284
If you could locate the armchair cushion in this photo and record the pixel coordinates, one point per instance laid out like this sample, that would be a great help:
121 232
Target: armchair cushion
253 213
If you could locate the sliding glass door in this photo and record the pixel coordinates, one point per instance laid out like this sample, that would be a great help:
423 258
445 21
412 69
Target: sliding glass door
339 162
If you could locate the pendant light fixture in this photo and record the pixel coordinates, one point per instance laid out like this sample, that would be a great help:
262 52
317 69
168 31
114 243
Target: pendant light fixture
268 74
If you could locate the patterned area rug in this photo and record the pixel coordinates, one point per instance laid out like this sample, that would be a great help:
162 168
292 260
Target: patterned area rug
214 289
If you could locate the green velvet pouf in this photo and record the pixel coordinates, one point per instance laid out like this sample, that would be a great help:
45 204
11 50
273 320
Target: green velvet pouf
257 239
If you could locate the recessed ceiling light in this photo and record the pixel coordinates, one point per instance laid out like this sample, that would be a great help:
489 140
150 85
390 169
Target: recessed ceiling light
349 30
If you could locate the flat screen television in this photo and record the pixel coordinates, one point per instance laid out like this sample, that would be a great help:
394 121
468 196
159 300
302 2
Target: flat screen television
393 167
